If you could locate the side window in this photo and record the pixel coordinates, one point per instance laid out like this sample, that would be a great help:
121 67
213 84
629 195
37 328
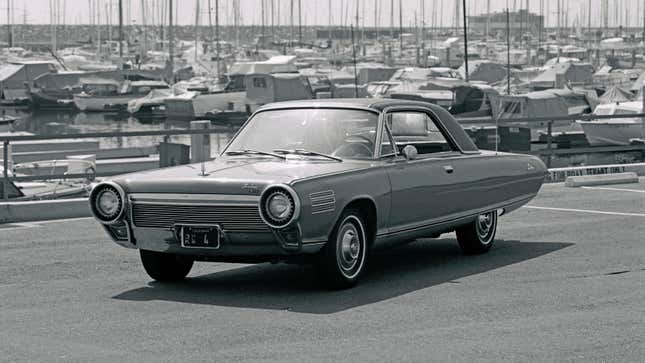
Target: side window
259 82
417 129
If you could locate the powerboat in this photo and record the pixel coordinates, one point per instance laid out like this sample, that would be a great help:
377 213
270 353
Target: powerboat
614 131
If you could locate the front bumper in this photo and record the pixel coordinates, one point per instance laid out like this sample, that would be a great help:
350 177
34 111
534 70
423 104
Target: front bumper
151 223
233 244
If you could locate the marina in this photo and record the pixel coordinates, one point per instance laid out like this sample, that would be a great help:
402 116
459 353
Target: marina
321 181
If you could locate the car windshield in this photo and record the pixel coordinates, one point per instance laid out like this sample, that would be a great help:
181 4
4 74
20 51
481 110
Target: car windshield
341 133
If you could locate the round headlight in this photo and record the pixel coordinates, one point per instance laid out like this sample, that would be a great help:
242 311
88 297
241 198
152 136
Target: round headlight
279 206
106 202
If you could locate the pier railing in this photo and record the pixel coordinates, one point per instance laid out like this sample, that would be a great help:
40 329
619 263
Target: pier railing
546 153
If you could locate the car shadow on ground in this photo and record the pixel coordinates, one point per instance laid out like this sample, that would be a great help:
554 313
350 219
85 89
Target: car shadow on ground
391 273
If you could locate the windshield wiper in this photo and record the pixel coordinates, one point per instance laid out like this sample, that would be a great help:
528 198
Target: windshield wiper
304 152
255 152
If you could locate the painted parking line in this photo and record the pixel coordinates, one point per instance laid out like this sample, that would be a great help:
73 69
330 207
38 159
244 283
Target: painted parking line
589 211
615 189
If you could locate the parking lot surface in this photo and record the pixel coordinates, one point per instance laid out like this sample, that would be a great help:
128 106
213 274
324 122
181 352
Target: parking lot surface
565 281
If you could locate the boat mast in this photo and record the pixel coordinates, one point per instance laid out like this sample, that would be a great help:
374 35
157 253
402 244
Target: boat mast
171 41
300 21
196 29
465 41
401 25
291 36
144 32
10 24
121 30
217 37
392 19
487 18
508 51
643 6
375 18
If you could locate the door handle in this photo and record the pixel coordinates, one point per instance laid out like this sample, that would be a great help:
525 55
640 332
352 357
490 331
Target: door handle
448 169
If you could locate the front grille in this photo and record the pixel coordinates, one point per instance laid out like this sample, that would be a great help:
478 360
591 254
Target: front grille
229 217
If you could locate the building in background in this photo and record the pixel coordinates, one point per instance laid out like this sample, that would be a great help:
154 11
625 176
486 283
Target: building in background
520 22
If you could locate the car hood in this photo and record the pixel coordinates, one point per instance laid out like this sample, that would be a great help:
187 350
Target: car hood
232 175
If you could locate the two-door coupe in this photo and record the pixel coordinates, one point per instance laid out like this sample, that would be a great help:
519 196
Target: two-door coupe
322 181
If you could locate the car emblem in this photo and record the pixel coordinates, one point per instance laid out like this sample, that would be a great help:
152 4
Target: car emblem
251 188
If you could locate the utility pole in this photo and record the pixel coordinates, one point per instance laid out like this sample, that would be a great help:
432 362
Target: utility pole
465 40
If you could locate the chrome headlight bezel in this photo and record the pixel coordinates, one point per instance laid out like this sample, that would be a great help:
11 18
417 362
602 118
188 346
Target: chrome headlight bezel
94 200
279 190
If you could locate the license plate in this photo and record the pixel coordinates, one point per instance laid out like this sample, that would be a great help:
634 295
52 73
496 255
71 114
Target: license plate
200 236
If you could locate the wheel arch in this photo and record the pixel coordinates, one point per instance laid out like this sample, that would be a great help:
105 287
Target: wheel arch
367 207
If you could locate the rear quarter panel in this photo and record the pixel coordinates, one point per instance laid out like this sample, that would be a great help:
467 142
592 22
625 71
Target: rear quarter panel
490 178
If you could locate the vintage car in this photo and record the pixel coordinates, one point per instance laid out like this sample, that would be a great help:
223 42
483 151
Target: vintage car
322 182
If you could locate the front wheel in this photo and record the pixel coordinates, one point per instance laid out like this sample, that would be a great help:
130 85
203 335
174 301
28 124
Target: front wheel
165 267
343 259
478 236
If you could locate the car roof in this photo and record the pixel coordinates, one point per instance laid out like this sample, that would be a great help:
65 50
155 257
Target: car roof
464 142
377 104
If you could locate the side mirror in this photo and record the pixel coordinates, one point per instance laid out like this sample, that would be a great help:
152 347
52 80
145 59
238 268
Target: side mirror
410 152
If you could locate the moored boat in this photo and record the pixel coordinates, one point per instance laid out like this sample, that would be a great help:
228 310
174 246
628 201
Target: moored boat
614 131
110 98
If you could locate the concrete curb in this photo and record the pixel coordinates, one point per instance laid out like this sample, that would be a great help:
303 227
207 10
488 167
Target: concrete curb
43 210
607 179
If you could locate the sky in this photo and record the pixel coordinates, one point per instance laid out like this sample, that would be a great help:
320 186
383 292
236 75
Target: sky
316 12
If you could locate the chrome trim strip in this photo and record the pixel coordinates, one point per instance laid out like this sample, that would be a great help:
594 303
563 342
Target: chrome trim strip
435 118
452 217
323 211
163 197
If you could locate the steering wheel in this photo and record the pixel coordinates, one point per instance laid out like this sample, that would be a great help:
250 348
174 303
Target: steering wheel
353 148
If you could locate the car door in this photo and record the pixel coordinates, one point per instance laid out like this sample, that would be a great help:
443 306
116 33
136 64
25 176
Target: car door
424 189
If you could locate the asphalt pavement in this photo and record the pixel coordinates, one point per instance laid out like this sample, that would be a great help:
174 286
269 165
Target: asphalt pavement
565 281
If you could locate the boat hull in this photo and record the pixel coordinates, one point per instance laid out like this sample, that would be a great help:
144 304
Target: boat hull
611 133
102 103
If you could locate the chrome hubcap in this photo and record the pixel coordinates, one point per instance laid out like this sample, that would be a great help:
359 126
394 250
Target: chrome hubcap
350 249
485 226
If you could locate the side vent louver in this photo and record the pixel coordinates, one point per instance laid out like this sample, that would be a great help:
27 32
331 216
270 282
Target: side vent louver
322 202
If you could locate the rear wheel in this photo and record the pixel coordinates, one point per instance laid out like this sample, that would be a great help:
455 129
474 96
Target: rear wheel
479 235
165 267
342 261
